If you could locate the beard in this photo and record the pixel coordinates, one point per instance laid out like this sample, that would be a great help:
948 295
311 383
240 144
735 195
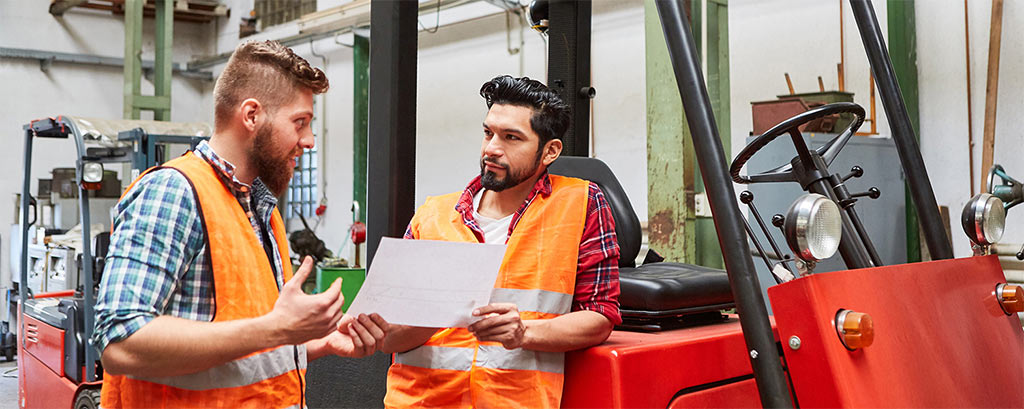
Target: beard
273 168
513 177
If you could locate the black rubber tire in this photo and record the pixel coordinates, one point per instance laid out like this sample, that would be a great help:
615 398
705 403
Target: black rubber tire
9 341
88 398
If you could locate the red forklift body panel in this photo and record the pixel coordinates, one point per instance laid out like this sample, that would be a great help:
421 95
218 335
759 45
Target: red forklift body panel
940 337
645 370
41 367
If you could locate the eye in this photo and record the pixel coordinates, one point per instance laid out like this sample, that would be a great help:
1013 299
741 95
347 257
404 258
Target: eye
512 137
488 134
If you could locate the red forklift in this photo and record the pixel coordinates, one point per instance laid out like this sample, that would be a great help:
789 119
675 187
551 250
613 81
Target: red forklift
942 333
57 365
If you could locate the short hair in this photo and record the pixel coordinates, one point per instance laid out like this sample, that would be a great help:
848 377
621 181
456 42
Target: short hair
551 117
266 71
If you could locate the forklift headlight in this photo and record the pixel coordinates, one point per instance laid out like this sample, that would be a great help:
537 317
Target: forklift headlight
813 227
983 219
92 172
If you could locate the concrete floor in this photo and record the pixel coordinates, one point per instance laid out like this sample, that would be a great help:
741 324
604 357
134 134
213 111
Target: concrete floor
8 384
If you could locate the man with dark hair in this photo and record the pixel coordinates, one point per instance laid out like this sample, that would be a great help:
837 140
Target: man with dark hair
557 289
198 306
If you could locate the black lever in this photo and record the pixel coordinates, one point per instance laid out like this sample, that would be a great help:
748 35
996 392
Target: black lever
748 198
1020 254
873 193
855 172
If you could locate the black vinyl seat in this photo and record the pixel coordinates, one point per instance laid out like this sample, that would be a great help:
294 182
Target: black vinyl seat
652 291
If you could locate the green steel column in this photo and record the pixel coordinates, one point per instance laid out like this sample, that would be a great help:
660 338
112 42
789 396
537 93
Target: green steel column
132 56
360 123
709 253
903 52
134 101
164 53
669 166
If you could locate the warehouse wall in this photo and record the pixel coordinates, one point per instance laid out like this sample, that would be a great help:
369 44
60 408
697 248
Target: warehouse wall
66 89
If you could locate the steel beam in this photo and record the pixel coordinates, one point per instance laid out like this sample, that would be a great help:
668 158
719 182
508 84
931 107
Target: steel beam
48 57
391 142
132 57
757 330
360 96
670 159
569 68
708 253
164 55
903 50
903 133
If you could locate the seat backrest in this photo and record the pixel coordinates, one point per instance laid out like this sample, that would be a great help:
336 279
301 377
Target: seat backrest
627 225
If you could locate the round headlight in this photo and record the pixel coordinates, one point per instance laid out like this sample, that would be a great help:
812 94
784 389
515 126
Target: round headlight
983 219
814 227
92 172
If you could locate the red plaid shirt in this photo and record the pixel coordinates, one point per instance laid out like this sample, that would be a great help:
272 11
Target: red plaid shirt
597 269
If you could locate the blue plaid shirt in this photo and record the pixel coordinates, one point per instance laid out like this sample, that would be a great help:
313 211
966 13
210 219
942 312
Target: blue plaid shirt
157 263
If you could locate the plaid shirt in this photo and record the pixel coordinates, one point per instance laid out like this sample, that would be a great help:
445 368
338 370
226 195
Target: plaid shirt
597 268
157 263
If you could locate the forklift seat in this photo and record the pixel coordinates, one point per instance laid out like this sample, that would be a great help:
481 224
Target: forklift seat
654 289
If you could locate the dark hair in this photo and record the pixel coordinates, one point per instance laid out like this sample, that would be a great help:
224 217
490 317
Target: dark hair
550 117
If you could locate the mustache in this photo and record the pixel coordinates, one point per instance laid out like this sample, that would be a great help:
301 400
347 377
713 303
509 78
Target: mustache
488 159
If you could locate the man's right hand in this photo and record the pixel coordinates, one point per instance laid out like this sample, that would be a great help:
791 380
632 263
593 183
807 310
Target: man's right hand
298 317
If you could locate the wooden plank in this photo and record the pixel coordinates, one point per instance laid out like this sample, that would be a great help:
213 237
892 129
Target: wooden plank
988 143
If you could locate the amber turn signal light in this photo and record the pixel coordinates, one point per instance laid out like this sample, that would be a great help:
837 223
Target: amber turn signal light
856 329
1011 298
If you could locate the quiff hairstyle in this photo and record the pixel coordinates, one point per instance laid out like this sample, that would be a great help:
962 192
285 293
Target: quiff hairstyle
266 71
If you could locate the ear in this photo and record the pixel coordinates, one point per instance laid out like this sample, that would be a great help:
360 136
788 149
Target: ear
250 111
552 150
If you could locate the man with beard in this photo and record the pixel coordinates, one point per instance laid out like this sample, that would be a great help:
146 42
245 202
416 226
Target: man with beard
557 289
198 306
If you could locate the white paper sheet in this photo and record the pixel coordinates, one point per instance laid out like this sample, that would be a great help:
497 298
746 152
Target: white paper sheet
428 283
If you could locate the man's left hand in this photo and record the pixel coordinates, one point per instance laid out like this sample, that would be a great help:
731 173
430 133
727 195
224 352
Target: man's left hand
357 337
501 323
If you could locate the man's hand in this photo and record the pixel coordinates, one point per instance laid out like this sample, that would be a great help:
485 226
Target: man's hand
501 323
357 337
298 317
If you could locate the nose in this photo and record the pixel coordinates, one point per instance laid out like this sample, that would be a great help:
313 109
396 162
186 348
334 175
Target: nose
307 140
493 148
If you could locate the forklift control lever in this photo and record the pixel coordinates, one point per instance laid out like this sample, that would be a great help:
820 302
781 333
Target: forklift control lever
855 172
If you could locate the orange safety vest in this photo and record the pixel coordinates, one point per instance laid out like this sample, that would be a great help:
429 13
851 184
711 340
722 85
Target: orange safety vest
245 287
538 274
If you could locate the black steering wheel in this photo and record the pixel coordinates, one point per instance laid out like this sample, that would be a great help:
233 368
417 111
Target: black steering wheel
828 151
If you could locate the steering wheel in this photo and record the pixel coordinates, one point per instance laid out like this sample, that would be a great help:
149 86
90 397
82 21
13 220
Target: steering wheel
828 151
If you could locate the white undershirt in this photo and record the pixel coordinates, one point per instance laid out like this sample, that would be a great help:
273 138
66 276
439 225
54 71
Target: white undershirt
495 230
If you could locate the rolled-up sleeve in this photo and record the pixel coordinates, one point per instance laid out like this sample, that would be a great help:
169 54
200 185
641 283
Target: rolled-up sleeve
597 271
152 244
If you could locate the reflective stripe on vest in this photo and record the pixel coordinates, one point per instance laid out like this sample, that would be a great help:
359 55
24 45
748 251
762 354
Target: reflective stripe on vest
427 356
487 356
548 302
497 357
240 372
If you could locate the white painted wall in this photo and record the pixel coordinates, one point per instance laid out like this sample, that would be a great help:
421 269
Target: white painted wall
29 93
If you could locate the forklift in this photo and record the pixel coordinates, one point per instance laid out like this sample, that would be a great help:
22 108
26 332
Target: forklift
942 333
57 365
